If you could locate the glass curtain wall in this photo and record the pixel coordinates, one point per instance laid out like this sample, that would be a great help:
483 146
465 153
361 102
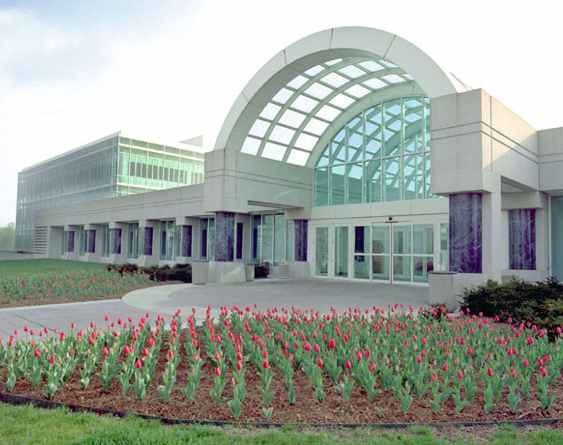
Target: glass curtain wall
207 239
168 235
133 234
341 252
269 239
382 154
321 251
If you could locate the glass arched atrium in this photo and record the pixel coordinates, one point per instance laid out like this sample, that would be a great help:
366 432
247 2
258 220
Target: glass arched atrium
293 121
382 154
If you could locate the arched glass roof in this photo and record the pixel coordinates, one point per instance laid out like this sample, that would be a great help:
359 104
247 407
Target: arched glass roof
291 124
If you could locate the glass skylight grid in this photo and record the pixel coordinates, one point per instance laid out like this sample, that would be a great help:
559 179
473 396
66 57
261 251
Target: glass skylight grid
289 126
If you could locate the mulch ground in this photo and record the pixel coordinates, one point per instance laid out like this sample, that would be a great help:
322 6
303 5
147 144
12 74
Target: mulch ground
385 408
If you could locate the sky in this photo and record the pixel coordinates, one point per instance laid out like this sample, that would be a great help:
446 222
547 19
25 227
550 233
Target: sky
74 71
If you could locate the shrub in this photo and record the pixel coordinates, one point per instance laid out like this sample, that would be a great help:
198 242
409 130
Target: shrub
540 303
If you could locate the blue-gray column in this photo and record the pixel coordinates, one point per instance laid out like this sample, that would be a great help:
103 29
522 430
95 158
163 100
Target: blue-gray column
301 240
466 238
522 239
224 236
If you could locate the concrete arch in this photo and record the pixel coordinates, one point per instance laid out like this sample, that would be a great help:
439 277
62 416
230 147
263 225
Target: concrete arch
343 42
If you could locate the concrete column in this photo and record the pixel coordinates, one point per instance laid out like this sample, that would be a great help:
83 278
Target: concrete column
55 237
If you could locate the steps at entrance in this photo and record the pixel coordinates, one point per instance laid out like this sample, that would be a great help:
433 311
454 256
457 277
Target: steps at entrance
280 272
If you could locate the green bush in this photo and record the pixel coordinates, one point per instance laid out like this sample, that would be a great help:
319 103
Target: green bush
540 303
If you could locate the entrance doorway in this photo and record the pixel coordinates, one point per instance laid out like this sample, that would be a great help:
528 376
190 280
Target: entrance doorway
388 253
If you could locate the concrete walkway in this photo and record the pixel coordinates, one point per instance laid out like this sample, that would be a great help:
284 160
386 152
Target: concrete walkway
59 316
315 293
318 294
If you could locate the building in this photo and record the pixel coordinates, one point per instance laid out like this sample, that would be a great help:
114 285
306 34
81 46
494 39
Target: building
113 166
352 155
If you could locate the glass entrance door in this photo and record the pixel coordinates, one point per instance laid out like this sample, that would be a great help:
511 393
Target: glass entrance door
321 251
380 252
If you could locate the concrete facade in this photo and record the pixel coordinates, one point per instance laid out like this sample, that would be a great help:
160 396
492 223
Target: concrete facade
268 159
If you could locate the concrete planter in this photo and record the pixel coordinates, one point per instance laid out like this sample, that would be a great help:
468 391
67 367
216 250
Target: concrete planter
249 272
200 272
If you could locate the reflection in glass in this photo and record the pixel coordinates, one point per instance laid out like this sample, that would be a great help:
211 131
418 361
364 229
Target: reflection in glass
321 252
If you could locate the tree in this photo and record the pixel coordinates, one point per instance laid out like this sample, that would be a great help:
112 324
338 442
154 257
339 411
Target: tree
7 237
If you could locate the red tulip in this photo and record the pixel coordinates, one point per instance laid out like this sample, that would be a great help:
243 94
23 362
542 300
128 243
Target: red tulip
307 347
331 344
52 359
239 366
434 376
320 363
460 375
138 364
348 364
372 366
105 352
445 367
265 364
37 352
316 348
170 355
218 372
543 371
490 372
525 363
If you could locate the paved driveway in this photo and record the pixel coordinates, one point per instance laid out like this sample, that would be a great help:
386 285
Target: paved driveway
59 316
317 294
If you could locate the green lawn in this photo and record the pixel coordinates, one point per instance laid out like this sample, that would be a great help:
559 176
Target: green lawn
27 267
28 425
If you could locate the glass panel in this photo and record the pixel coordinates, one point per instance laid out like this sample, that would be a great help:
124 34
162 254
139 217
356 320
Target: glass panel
203 238
380 267
392 171
423 239
337 184
321 186
414 177
401 268
341 252
380 242
422 265
279 239
211 239
361 266
354 178
402 239
267 238
392 128
321 251
444 246
373 181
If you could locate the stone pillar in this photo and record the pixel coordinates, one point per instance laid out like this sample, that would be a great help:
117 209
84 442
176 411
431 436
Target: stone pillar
522 239
224 269
301 239
466 237
224 236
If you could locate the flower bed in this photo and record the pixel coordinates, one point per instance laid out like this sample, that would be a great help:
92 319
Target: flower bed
64 286
297 366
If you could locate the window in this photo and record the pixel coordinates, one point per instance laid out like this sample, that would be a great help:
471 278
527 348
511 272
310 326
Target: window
382 154
187 241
